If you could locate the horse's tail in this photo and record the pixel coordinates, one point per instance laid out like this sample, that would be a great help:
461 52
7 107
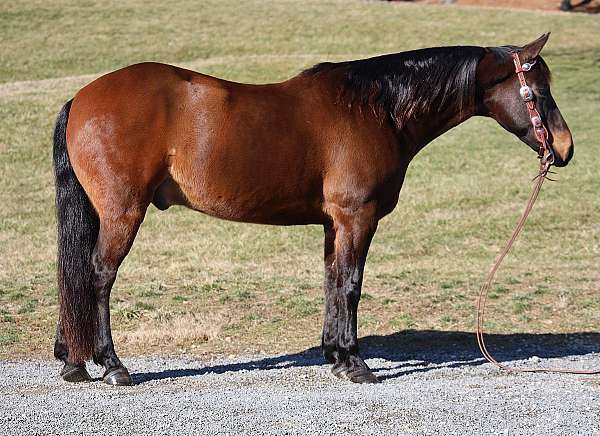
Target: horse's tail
78 227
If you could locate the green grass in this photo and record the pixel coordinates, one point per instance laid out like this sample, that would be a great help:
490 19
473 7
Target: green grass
8 338
258 287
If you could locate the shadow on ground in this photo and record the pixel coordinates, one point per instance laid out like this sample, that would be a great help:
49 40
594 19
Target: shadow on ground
431 349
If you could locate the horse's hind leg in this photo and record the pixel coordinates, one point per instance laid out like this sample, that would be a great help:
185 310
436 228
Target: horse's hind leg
115 238
70 372
353 233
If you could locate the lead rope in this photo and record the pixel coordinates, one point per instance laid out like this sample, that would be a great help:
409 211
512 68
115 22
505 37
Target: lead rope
546 159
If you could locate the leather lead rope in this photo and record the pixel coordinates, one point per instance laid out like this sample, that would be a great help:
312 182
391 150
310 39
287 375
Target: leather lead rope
546 158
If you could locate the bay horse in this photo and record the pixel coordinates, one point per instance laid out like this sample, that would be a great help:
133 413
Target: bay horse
329 146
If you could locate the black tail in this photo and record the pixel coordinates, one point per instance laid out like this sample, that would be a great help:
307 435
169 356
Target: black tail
78 227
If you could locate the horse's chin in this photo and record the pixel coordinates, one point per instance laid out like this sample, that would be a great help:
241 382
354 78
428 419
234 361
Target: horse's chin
558 162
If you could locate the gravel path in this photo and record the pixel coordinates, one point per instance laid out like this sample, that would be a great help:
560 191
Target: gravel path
444 389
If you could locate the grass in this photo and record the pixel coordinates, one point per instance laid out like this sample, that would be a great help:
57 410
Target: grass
207 286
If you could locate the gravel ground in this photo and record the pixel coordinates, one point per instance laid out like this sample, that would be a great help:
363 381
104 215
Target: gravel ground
444 388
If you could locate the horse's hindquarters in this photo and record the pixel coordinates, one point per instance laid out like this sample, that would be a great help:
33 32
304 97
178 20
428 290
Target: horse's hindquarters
119 133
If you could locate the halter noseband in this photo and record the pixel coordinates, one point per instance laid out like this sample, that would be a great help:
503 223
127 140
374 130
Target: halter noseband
545 152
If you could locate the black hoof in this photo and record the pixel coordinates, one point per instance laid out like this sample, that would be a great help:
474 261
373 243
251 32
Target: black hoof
355 374
117 377
75 373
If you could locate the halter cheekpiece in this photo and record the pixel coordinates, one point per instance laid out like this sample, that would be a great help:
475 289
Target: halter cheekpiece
541 133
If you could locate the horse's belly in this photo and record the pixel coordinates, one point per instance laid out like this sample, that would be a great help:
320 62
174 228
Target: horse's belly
259 195
256 206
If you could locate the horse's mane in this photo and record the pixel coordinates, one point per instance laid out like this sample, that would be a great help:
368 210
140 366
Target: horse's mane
410 84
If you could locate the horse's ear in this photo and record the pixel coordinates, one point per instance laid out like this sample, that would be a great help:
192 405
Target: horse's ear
496 63
530 51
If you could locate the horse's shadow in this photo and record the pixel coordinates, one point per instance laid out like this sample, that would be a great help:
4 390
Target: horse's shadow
428 348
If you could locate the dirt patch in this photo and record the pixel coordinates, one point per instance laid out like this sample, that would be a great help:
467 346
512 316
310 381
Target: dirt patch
185 331
539 5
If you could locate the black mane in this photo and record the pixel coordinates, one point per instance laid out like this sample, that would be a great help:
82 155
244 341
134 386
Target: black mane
410 84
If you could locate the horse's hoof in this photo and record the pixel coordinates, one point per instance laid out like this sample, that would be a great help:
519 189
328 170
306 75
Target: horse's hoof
340 370
358 374
75 373
363 375
117 377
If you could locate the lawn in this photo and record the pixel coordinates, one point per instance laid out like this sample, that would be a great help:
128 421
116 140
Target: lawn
200 285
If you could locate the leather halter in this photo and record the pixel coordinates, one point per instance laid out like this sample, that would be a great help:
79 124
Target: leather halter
546 156
545 152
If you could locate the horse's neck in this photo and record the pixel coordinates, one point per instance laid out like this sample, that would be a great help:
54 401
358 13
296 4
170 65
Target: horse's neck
424 129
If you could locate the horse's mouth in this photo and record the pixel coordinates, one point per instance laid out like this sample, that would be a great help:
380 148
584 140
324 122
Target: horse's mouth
559 161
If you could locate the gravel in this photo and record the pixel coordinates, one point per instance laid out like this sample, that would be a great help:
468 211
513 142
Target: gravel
441 389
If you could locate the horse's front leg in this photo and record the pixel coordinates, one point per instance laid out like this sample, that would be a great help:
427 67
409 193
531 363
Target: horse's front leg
353 233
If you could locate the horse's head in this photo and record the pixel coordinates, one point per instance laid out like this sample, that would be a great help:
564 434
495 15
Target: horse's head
501 98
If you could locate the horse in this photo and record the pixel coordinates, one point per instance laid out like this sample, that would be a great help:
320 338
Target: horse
329 146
